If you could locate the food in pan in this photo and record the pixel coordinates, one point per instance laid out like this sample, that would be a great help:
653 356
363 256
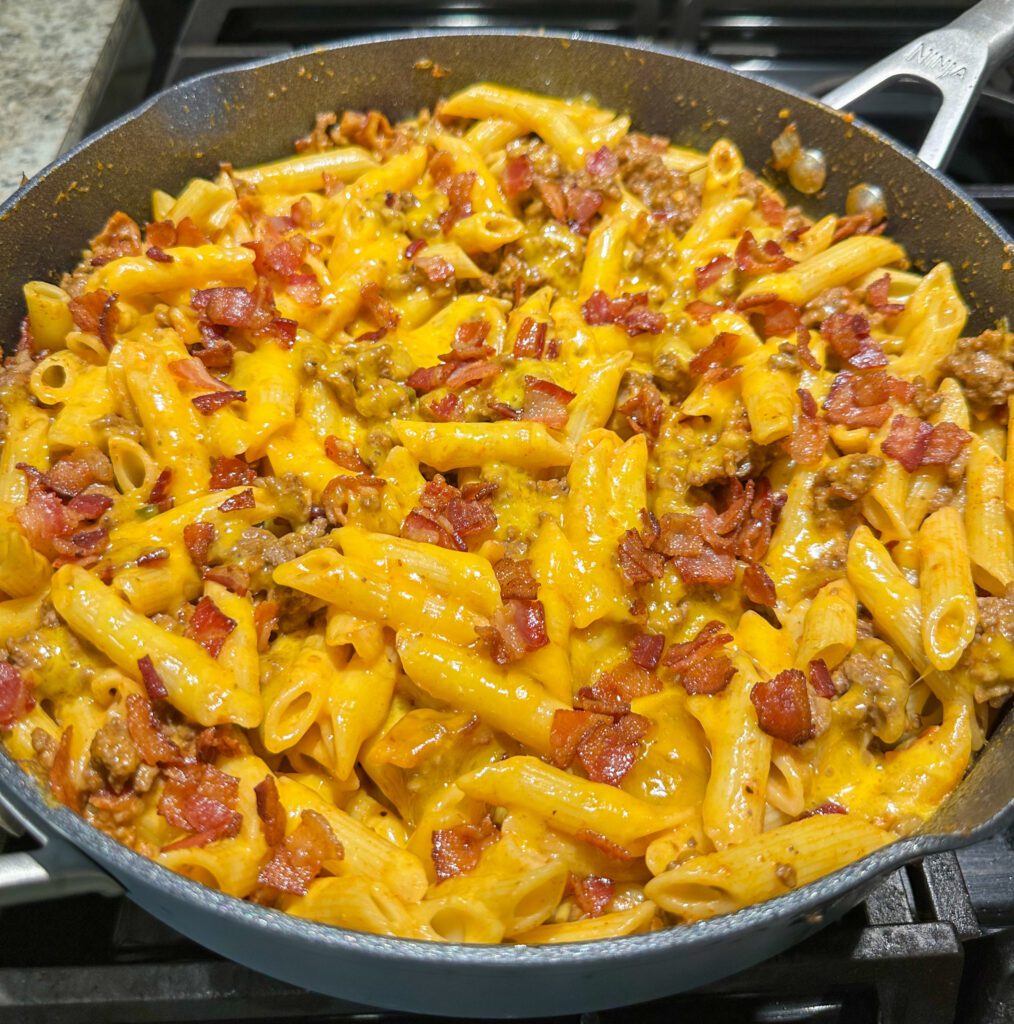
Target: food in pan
502 526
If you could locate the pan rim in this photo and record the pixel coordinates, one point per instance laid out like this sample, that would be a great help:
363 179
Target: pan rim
798 904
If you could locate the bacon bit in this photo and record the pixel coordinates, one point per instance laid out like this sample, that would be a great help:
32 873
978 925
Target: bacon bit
61 779
468 342
861 400
531 340
609 752
592 894
602 163
227 472
552 195
265 622
153 252
754 258
457 188
772 209
194 373
809 435
518 176
89 506
606 846
820 679
627 311
827 807
210 626
86 544
270 811
153 557
120 236
457 850
705 566
582 205
232 577
638 563
199 798
468 518
878 297
42 518
304 288
848 336
164 234
425 527
907 441
945 444
646 650
758 585
198 538
448 408
516 579
428 378
436 269
516 629
698 665
778 318
219 741
371 130
146 731
236 307
702 312
714 269
76 471
414 248
207 404
344 454
502 411
715 354
383 314
856 224
568 730
467 375
803 353
245 499
446 516
213 350
546 402
16 697
783 706
644 410
621 684
96 313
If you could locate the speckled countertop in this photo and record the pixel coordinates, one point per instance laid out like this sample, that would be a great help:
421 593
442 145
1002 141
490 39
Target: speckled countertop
55 63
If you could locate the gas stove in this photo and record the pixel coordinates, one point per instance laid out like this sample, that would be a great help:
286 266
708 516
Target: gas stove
935 943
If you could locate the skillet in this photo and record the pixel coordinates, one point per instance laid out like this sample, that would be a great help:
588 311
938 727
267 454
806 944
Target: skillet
250 114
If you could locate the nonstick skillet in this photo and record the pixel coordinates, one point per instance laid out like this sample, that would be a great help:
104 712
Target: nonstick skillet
250 114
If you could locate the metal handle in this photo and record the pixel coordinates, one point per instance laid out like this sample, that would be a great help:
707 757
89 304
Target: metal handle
55 869
955 60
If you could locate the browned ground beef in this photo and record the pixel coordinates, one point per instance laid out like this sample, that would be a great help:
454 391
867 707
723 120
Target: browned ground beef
842 482
258 551
662 189
985 367
113 752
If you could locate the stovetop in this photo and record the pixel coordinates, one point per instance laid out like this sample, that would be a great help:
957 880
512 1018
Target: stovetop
935 943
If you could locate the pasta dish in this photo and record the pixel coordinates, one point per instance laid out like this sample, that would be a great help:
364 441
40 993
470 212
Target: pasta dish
503 526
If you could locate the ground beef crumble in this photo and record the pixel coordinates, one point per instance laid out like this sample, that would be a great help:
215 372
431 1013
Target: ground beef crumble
984 365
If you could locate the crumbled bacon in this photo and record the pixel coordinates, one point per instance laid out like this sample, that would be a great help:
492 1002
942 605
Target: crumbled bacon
119 237
758 585
820 679
753 257
145 730
783 706
210 626
72 473
862 399
702 312
61 776
518 176
646 650
344 454
848 336
200 799
339 492
552 195
265 622
857 224
194 373
245 499
436 269
16 697
414 248
627 311
198 538
638 563
605 747
153 252
592 894
772 209
270 811
371 130
228 472
602 163
232 577
219 741
907 441
215 400
236 307
469 342
447 408
90 506
707 275
803 354
581 205
445 516
827 807
457 188
546 402
43 519
384 315
604 845
808 440
96 312
878 297
777 317
531 340
643 409
516 579
715 354
623 683
214 350
699 665
467 375
151 680
164 234
456 850
946 442
428 378
516 629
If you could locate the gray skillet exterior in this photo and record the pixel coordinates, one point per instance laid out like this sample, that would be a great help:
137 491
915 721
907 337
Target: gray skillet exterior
251 114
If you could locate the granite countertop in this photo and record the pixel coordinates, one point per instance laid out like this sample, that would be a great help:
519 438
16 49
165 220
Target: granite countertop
56 60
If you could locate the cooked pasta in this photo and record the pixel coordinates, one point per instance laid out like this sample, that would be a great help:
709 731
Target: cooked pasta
502 526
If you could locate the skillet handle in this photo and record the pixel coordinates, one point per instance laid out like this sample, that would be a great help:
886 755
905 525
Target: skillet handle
53 870
955 60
